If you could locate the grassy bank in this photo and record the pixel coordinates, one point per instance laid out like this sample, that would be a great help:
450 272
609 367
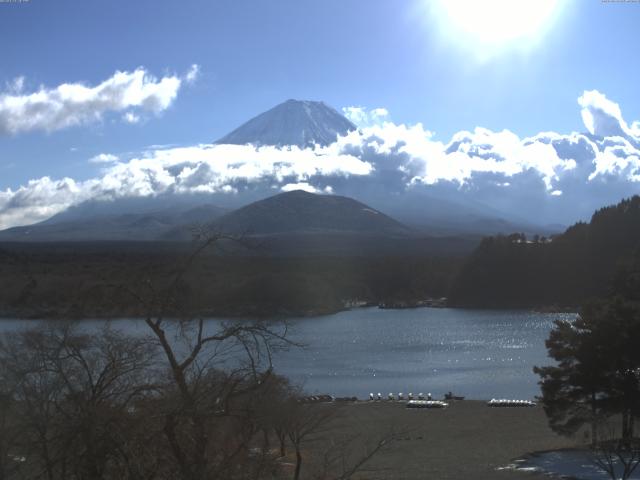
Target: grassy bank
468 440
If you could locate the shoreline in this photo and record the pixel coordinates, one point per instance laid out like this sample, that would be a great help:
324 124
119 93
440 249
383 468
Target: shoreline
247 314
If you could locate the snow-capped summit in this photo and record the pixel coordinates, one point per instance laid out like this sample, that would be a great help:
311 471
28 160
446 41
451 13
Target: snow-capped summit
302 123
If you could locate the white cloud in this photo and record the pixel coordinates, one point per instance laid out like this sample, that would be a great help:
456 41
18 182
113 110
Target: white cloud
363 117
496 152
16 86
356 114
602 117
39 199
222 169
193 73
104 158
73 104
547 178
621 161
131 117
289 187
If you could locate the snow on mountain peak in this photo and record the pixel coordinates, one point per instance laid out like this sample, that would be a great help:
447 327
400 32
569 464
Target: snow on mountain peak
302 123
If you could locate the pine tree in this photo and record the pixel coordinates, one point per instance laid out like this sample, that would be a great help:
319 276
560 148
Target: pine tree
598 369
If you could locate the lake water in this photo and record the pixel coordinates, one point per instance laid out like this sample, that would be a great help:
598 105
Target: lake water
578 464
476 353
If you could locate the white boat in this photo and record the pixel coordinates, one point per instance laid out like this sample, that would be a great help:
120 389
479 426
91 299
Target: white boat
426 404
504 402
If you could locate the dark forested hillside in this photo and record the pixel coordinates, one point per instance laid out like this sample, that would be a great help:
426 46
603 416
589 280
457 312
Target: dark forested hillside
588 260
300 211
93 279
585 261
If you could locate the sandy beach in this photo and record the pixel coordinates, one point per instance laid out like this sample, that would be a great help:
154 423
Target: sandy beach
467 440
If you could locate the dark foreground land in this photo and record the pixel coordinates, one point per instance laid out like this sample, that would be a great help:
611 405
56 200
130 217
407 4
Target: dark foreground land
468 440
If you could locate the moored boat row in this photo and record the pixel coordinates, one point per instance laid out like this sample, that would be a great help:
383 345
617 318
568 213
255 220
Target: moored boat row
419 401
426 404
503 402
400 397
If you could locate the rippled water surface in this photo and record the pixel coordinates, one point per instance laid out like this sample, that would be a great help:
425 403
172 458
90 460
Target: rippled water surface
476 353
576 464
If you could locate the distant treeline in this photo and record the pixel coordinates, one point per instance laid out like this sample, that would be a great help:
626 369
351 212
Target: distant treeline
97 280
106 279
588 260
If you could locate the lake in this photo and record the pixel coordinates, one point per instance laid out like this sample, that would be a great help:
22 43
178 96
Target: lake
476 353
578 464
480 354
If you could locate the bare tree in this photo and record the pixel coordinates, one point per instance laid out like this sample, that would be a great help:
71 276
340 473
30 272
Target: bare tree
10 461
617 457
72 392
212 369
342 459
305 421
190 399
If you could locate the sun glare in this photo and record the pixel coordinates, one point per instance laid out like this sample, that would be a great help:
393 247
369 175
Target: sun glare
494 24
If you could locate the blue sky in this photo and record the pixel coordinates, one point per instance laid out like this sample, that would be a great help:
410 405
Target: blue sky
255 54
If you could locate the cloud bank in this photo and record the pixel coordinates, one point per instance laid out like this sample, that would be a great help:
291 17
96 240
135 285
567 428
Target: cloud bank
546 178
363 117
103 158
73 104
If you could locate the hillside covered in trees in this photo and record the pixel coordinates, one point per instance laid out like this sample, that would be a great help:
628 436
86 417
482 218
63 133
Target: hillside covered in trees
84 278
79 280
585 261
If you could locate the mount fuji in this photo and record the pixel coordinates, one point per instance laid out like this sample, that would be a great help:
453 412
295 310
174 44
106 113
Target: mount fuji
300 123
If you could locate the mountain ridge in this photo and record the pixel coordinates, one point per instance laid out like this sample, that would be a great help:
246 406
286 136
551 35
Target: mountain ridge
300 211
142 226
285 213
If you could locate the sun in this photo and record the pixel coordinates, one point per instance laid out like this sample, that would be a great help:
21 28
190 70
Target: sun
495 24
